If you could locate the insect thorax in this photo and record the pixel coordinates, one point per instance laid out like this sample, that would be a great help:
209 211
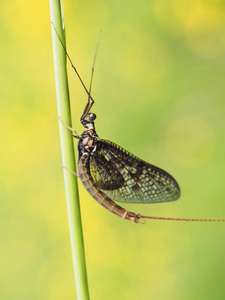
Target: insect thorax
88 142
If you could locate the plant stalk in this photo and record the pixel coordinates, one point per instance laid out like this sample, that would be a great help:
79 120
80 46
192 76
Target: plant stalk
68 155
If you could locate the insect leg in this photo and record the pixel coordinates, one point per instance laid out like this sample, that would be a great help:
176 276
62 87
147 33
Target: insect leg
71 171
70 60
76 135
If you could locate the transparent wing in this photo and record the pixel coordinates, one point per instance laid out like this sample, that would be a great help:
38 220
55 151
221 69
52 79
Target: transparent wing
125 178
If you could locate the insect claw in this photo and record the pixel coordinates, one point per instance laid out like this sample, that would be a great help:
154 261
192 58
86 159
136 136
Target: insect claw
138 220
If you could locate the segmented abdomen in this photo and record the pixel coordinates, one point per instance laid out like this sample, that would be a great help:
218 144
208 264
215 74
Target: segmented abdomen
97 194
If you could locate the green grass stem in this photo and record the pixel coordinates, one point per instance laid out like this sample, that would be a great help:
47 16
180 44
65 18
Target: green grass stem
68 155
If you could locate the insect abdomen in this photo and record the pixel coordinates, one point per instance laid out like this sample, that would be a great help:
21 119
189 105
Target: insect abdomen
98 195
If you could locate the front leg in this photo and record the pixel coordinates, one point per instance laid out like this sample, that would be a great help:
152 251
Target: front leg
76 135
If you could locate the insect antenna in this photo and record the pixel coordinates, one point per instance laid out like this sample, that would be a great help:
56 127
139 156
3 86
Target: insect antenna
72 65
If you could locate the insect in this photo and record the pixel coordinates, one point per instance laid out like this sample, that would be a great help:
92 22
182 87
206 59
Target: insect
110 173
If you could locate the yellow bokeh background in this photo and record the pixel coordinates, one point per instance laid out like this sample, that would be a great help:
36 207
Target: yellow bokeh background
159 91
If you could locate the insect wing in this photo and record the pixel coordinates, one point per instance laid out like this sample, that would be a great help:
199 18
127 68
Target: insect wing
125 178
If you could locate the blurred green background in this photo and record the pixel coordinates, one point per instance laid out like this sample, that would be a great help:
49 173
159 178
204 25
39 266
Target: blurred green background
159 90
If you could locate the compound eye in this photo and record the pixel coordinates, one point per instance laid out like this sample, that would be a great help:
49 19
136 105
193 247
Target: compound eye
92 117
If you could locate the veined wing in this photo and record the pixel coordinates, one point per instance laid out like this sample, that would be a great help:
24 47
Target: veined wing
126 178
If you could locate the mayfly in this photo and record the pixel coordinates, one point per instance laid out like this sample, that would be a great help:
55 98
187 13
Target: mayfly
110 173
